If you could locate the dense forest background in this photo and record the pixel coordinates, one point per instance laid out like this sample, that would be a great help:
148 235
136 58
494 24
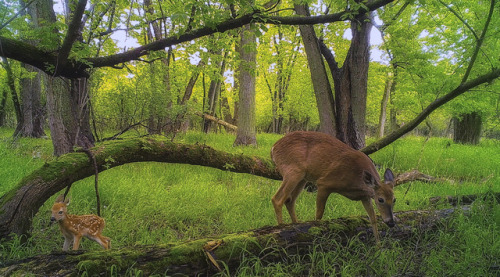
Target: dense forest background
88 70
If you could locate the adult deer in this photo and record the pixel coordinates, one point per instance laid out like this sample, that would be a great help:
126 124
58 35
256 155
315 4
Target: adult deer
334 167
74 227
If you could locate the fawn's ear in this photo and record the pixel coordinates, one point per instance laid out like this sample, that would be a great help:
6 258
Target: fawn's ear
66 202
60 198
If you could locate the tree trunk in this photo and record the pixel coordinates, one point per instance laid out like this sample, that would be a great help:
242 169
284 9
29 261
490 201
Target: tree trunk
467 128
19 205
245 134
383 105
3 103
33 118
68 112
321 85
203 257
350 83
13 93
214 92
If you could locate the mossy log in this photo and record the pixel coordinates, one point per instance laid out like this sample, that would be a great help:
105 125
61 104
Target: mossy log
18 206
204 256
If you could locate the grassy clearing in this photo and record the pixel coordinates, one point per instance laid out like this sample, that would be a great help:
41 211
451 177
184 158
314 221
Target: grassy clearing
157 203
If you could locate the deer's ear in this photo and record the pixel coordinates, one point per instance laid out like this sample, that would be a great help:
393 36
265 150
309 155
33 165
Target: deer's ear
66 202
60 198
369 179
388 176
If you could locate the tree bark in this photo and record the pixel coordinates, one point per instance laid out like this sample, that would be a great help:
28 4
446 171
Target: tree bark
214 91
13 93
350 84
68 112
321 84
19 205
383 106
203 256
245 134
33 118
31 87
467 128
3 103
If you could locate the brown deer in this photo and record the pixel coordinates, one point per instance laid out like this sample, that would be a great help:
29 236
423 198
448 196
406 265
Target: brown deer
334 167
73 227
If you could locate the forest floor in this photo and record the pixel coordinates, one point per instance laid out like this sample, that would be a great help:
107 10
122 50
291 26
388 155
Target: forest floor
159 204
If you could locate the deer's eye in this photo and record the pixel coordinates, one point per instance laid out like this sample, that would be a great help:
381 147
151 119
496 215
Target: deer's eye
381 200
60 212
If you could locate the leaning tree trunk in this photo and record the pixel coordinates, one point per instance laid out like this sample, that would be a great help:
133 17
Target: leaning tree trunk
467 128
245 135
321 85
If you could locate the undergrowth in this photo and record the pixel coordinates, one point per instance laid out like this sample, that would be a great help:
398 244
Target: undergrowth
159 203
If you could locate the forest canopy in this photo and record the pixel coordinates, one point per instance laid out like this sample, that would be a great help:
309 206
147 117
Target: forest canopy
159 64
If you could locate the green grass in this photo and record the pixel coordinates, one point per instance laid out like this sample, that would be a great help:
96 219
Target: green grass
158 203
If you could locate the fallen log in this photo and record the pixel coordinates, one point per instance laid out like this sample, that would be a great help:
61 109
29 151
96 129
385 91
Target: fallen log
203 256
464 199
416 175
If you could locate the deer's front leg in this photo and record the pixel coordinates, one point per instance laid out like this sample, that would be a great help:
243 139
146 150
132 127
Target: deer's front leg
67 242
367 203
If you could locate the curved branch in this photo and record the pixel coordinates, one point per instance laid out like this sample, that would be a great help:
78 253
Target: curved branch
18 206
47 61
462 88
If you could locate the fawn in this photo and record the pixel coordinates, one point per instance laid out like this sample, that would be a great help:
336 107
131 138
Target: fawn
334 167
73 227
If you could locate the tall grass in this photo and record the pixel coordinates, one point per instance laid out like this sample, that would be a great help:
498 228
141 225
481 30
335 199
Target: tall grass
159 203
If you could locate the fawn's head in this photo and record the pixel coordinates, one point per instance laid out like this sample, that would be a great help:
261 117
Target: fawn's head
59 209
384 196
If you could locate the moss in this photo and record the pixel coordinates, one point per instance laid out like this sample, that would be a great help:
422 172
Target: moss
234 244
90 266
315 231
187 252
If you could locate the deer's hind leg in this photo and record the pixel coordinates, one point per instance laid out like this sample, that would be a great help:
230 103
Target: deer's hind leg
290 203
285 194
105 242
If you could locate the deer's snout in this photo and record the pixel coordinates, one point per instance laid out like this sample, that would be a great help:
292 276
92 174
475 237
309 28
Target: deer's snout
390 222
52 219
